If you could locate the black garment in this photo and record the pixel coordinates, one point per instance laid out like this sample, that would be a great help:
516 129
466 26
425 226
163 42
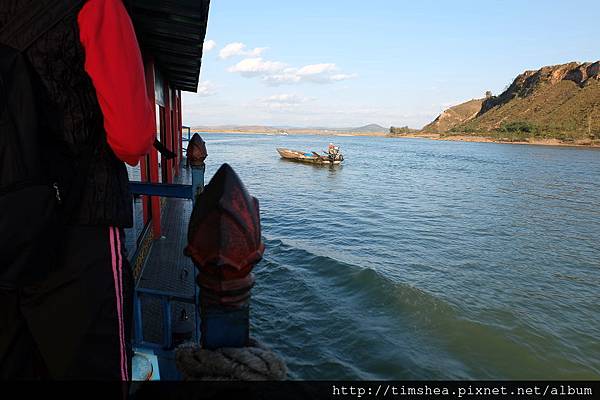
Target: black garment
76 323
74 119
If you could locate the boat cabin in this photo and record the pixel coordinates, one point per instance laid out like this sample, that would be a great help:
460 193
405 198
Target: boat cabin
171 36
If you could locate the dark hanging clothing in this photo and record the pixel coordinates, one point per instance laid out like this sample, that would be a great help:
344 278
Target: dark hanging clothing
93 55
75 322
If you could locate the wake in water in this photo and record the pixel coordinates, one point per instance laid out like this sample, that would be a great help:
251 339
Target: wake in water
350 322
437 261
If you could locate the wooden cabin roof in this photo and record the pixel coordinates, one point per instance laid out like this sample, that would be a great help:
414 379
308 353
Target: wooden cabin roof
173 32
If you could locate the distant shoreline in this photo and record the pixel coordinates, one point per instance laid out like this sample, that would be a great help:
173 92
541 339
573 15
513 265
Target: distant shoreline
430 136
485 139
290 132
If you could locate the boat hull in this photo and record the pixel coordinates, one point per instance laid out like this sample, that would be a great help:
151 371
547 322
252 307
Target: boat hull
299 156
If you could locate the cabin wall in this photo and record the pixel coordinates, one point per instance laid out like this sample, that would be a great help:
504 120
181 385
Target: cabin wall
154 167
179 130
153 213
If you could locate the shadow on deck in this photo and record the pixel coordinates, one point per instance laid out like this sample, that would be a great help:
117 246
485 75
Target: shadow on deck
166 269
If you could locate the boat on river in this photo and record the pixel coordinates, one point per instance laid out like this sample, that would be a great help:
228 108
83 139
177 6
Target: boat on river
331 157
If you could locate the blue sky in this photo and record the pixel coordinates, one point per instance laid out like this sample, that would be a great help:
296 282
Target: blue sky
343 63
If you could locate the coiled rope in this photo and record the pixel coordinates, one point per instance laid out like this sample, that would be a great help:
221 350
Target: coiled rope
252 363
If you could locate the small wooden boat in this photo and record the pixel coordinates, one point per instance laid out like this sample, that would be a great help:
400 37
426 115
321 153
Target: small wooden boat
311 158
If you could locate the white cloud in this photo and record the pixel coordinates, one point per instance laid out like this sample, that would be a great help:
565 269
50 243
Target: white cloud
323 73
284 101
277 73
250 67
238 49
303 112
316 69
206 88
287 98
342 77
231 50
288 75
209 45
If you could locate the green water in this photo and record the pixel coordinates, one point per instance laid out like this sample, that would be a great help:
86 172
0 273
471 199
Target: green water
422 259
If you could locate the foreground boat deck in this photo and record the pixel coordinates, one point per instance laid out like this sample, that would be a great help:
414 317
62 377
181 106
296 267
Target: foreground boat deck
166 269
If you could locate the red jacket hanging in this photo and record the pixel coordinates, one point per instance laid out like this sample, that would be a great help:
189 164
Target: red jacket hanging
114 63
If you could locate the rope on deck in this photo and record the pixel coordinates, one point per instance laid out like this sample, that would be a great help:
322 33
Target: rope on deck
252 363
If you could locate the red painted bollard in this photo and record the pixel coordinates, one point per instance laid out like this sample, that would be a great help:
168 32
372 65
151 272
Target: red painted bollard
195 155
224 242
196 151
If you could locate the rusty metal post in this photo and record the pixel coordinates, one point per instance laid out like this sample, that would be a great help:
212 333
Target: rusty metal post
197 181
224 242
196 154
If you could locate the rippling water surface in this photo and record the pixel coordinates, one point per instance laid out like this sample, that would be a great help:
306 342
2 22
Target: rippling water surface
422 259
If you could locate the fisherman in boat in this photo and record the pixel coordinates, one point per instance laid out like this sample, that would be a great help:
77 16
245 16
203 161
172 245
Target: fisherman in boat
333 153
331 156
73 321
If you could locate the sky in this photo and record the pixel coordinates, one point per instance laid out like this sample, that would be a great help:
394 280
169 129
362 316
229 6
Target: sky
347 63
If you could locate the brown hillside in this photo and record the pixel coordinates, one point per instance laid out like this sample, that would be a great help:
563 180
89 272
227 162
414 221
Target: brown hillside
553 101
454 116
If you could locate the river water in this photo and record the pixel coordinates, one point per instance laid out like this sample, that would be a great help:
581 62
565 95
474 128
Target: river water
421 259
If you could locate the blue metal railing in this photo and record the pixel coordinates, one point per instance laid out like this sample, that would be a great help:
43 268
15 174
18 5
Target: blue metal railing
161 190
165 298
189 134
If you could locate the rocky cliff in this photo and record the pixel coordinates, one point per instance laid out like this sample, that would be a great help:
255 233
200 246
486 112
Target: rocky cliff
555 100
454 116
530 82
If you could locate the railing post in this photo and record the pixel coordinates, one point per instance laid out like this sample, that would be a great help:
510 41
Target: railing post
197 180
224 242
138 326
196 154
